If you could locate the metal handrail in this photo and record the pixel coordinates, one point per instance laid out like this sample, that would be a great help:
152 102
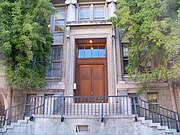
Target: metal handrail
12 114
99 106
159 114
156 104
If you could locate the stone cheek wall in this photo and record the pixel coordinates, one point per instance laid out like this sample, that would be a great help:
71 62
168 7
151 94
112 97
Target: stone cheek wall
89 126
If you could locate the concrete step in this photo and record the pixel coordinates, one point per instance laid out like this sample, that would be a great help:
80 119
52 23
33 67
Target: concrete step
3 130
141 118
171 131
154 124
146 121
158 126
25 121
162 127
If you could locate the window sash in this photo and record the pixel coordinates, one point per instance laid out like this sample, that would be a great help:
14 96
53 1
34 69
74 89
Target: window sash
56 62
84 12
91 12
59 20
99 12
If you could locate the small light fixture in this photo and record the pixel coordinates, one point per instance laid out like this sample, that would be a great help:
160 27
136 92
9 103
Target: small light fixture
90 41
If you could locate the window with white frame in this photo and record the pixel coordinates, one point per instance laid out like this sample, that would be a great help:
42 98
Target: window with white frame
91 12
84 12
99 12
59 20
56 62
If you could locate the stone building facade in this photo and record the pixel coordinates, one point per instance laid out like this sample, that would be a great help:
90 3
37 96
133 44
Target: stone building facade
88 57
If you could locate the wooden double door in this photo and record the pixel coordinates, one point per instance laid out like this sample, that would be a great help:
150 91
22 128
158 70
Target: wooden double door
91 78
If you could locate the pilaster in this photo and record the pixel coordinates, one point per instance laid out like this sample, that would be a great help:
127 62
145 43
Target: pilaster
71 10
119 58
111 8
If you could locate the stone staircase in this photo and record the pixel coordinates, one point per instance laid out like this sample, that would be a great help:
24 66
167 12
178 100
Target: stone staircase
121 125
22 127
158 126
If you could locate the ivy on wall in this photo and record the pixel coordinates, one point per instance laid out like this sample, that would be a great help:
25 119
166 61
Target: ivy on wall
25 41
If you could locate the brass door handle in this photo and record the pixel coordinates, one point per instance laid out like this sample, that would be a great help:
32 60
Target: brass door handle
92 92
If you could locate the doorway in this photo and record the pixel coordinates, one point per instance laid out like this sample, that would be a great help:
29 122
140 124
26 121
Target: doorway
91 70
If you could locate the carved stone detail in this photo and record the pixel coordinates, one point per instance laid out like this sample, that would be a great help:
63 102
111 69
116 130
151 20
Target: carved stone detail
109 1
67 2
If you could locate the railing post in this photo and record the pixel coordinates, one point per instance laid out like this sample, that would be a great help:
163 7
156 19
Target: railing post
102 109
176 120
5 115
62 109
31 117
161 121
34 105
135 111
152 111
9 115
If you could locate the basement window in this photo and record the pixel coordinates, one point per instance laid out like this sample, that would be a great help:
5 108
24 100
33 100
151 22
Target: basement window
153 98
82 128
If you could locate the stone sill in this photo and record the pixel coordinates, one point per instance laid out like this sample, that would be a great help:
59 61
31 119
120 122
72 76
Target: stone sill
88 23
53 78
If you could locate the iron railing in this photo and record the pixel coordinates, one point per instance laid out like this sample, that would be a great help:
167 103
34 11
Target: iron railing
158 114
12 114
99 106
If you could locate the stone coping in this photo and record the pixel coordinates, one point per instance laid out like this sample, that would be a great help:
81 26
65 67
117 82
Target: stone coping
85 117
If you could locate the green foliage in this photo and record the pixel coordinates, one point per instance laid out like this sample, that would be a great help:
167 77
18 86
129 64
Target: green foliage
25 41
153 29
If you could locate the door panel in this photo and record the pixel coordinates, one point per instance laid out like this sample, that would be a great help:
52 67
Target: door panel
91 80
97 80
84 80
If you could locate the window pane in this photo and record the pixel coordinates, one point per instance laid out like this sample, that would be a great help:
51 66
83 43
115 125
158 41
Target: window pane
81 52
125 51
56 69
102 52
56 63
60 15
125 63
56 53
87 52
152 97
59 21
59 25
84 13
94 51
99 12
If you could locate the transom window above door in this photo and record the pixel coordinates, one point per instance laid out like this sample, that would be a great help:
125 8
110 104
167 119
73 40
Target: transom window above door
97 51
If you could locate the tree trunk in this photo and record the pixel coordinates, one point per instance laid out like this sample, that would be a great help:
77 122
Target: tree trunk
178 93
172 94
